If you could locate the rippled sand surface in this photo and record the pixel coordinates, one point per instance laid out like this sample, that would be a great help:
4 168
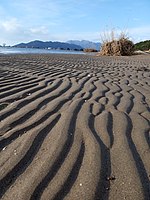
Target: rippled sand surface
74 127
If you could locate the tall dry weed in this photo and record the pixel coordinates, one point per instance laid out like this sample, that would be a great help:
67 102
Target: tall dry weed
113 45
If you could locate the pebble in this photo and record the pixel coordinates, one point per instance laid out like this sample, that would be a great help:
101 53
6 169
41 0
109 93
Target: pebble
15 152
4 148
80 184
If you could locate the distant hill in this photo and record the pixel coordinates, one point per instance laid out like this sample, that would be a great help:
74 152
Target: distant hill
144 45
49 44
86 44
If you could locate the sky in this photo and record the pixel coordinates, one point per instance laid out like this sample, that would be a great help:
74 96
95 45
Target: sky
62 20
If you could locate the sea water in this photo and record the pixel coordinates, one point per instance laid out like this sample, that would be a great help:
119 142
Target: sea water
14 50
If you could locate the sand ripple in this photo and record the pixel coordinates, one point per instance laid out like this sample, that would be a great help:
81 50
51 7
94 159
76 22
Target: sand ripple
74 127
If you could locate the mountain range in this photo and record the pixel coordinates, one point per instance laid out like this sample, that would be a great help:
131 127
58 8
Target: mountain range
49 45
85 44
69 45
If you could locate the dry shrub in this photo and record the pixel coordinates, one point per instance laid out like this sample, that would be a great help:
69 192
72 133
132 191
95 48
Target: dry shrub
90 50
117 47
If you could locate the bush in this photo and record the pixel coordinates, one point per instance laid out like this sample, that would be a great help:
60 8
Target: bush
90 50
117 47
143 45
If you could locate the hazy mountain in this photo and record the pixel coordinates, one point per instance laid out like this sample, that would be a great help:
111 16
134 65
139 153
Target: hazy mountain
86 44
49 44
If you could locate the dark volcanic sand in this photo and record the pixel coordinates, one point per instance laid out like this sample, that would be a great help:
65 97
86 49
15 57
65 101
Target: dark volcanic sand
74 127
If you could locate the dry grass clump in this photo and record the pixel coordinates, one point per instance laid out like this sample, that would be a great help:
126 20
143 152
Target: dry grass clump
117 47
90 50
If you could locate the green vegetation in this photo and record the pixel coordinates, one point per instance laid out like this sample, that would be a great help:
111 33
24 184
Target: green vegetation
143 46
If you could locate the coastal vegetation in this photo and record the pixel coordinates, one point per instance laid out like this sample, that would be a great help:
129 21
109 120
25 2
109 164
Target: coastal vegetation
143 45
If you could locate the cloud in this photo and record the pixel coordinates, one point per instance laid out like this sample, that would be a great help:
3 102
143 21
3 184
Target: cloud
136 34
15 31
61 20
136 19
10 25
39 30
140 30
38 9
140 33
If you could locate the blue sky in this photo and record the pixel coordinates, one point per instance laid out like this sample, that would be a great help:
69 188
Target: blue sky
62 20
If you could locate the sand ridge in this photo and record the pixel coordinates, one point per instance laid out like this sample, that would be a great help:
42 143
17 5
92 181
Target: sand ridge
74 127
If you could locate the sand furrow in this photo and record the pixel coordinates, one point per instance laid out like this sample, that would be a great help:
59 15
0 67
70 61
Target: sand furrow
27 98
40 116
30 109
26 155
57 152
88 177
125 170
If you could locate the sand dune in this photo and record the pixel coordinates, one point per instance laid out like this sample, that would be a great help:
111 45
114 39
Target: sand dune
74 127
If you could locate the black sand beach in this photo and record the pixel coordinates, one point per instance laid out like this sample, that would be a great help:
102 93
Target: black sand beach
74 127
